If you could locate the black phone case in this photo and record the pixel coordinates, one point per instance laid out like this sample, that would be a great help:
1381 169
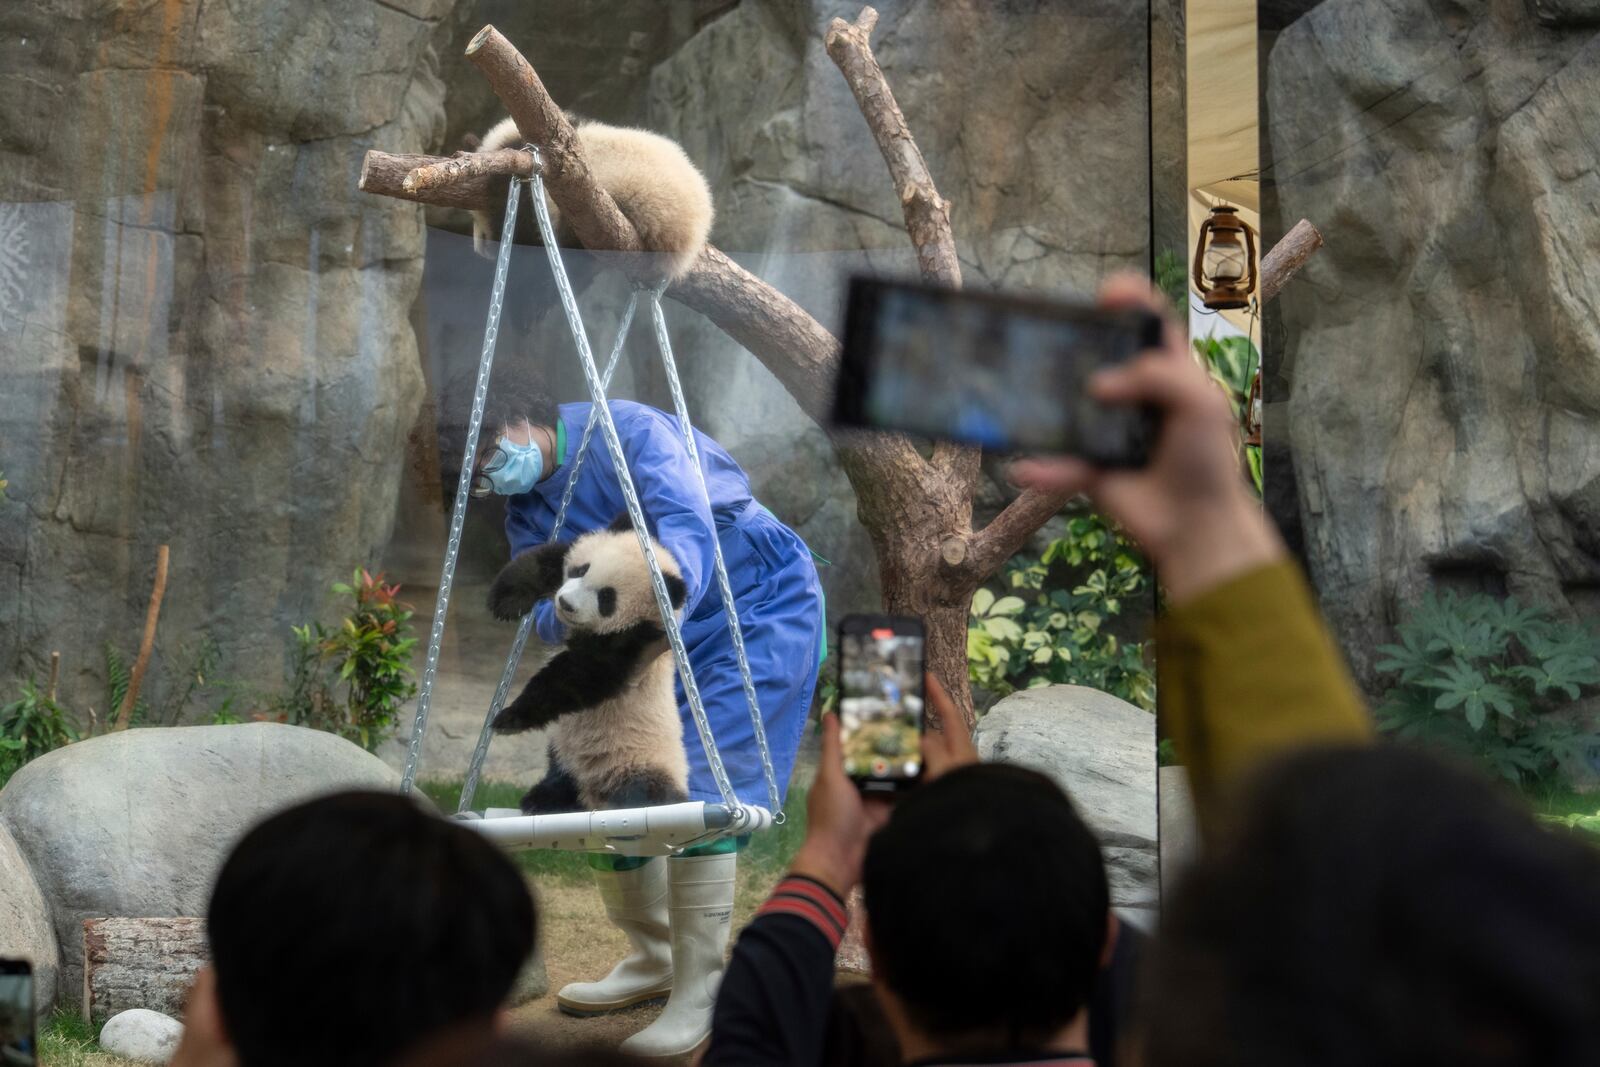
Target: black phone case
1133 431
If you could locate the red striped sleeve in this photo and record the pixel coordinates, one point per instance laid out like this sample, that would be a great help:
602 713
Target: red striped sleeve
811 901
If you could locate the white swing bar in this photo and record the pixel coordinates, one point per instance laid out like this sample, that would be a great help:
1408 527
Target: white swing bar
662 830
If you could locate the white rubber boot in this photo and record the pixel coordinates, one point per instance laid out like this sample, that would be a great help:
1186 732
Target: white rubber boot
701 902
636 902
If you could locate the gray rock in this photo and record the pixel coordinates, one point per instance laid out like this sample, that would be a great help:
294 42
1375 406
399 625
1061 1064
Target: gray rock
204 335
138 823
1102 751
1441 355
1180 832
141 1035
25 930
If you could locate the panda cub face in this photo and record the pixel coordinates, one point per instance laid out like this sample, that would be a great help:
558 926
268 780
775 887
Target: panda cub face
606 583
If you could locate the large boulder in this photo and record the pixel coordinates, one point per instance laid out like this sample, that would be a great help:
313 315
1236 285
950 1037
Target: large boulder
25 930
204 332
138 823
1102 751
1441 357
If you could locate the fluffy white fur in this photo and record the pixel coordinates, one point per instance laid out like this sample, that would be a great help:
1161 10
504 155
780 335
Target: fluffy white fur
653 182
637 731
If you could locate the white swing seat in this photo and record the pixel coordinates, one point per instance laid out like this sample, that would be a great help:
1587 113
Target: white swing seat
663 830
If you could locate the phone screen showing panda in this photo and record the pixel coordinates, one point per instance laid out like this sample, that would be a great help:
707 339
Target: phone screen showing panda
880 700
16 1013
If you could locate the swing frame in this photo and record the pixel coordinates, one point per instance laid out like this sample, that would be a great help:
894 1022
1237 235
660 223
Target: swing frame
662 829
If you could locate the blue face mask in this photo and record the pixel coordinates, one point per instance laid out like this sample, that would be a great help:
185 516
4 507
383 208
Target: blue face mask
514 469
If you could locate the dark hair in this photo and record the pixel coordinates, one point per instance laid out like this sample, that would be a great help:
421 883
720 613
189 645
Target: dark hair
987 904
347 929
478 1049
516 391
1379 906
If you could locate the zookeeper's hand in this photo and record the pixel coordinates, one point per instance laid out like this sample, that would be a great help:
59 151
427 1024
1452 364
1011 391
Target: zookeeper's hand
947 743
839 820
1190 508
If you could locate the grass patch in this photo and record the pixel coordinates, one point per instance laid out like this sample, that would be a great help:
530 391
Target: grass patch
766 856
67 1041
1557 798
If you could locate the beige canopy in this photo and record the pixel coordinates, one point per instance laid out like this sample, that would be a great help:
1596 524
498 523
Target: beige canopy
1224 154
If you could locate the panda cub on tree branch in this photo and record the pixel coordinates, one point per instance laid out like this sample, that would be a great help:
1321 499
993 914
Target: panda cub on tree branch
607 697
653 182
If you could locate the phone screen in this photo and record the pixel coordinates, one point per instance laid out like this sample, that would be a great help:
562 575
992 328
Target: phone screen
880 700
1005 372
16 1014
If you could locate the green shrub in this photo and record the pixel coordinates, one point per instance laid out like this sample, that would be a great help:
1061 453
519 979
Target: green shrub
368 656
30 726
1233 362
1485 678
1034 632
1172 278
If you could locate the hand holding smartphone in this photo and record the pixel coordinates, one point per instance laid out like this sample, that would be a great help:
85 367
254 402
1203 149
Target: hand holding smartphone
17 1045
881 701
1004 372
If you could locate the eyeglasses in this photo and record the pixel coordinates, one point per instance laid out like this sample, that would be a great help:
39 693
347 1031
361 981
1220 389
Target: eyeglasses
490 460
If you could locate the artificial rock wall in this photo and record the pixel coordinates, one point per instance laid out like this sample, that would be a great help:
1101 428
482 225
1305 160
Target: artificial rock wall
1439 378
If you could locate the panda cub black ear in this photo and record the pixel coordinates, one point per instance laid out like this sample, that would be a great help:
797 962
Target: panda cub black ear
676 590
621 524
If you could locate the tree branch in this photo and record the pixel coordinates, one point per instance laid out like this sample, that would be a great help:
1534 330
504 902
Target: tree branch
509 162
385 173
1009 531
586 208
927 213
1287 257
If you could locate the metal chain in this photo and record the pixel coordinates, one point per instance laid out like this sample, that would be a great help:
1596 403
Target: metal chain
729 606
469 788
608 428
458 511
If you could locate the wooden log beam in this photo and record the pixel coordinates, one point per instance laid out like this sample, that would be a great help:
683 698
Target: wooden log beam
140 963
505 163
385 173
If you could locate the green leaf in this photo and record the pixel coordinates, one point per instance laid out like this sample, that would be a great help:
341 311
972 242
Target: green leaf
1010 605
1003 629
982 601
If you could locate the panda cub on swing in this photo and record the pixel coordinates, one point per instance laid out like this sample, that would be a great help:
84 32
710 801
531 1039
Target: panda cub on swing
607 697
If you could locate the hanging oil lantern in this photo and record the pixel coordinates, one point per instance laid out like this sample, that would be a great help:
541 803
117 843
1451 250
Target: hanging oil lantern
1225 260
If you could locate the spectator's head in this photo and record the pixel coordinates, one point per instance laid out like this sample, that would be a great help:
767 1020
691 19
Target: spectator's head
987 913
477 1049
1379 906
348 929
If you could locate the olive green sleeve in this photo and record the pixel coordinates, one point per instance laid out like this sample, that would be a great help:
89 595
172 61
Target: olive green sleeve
1247 671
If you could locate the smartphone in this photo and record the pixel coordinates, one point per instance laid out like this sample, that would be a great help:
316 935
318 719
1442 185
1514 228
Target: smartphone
17 1045
880 700
1008 373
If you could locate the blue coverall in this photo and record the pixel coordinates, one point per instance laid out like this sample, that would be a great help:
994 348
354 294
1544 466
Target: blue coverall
770 569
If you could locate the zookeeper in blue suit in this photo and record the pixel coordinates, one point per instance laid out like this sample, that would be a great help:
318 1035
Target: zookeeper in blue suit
675 912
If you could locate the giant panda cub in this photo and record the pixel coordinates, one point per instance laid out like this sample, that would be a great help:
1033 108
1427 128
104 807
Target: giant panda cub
648 175
607 697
